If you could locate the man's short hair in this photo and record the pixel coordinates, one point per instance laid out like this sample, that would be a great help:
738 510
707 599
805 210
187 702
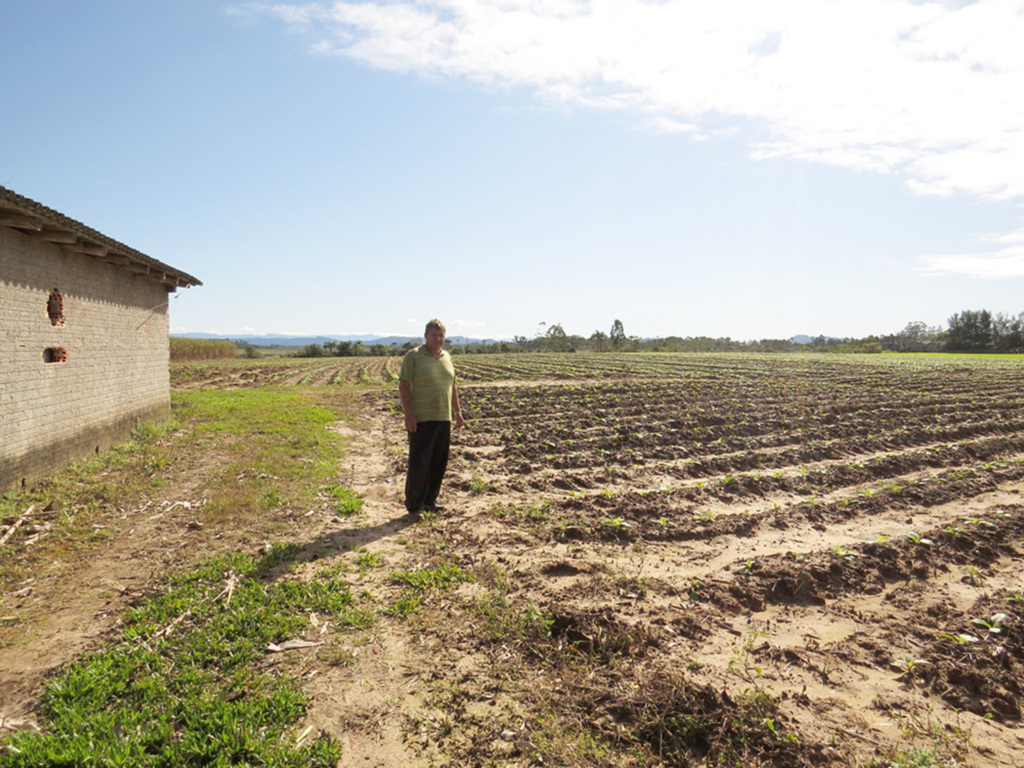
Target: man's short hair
435 323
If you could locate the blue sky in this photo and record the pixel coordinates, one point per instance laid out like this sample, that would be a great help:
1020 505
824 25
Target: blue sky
743 169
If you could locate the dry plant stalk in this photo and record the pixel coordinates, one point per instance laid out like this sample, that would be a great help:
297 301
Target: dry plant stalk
17 524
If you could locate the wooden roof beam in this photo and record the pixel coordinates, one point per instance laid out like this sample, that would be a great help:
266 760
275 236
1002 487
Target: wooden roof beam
19 220
58 236
88 248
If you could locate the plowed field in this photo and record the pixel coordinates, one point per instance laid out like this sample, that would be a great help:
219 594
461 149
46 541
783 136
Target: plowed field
284 371
842 536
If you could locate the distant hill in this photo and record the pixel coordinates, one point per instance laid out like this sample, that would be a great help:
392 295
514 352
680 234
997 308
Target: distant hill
282 339
803 339
291 340
295 340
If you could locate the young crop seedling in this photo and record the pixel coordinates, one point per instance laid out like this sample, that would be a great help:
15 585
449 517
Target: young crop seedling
918 539
741 663
705 517
844 553
992 625
696 591
961 639
972 575
478 485
616 523
909 668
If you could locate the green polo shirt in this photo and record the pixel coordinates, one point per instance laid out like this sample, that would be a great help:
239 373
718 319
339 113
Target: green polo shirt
432 380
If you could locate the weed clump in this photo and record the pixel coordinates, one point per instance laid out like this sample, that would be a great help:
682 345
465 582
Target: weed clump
683 724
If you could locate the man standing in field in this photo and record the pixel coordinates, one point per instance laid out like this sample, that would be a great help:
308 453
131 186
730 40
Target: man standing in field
430 400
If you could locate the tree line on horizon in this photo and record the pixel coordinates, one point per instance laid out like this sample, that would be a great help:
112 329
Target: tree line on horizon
978 331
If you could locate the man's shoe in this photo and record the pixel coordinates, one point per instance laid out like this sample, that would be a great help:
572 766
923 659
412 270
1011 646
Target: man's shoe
436 509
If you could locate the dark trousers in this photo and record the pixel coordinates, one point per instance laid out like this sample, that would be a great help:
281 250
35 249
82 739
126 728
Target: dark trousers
428 460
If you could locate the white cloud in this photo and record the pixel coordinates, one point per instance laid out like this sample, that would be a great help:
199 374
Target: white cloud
881 84
662 124
1004 264
929 90
467 324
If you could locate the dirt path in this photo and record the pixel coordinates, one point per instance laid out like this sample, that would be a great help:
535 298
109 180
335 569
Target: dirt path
367 704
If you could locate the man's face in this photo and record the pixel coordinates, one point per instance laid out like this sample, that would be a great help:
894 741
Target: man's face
435 340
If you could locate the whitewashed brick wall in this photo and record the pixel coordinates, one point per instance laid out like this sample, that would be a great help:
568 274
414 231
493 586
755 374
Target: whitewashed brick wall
115 333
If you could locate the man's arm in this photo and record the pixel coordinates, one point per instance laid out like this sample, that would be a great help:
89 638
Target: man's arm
405 394
456 407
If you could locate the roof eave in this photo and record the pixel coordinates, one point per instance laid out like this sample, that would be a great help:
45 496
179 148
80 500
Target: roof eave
28 216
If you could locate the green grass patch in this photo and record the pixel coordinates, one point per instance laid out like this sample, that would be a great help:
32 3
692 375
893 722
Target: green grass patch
256 451
367 561
182 686
439 577
406 606
914 758
420 582
275 444
346 502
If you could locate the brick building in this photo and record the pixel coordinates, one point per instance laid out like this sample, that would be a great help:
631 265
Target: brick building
83 340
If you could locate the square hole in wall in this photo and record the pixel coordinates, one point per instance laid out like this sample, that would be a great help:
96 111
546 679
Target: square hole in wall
55 307
55 355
